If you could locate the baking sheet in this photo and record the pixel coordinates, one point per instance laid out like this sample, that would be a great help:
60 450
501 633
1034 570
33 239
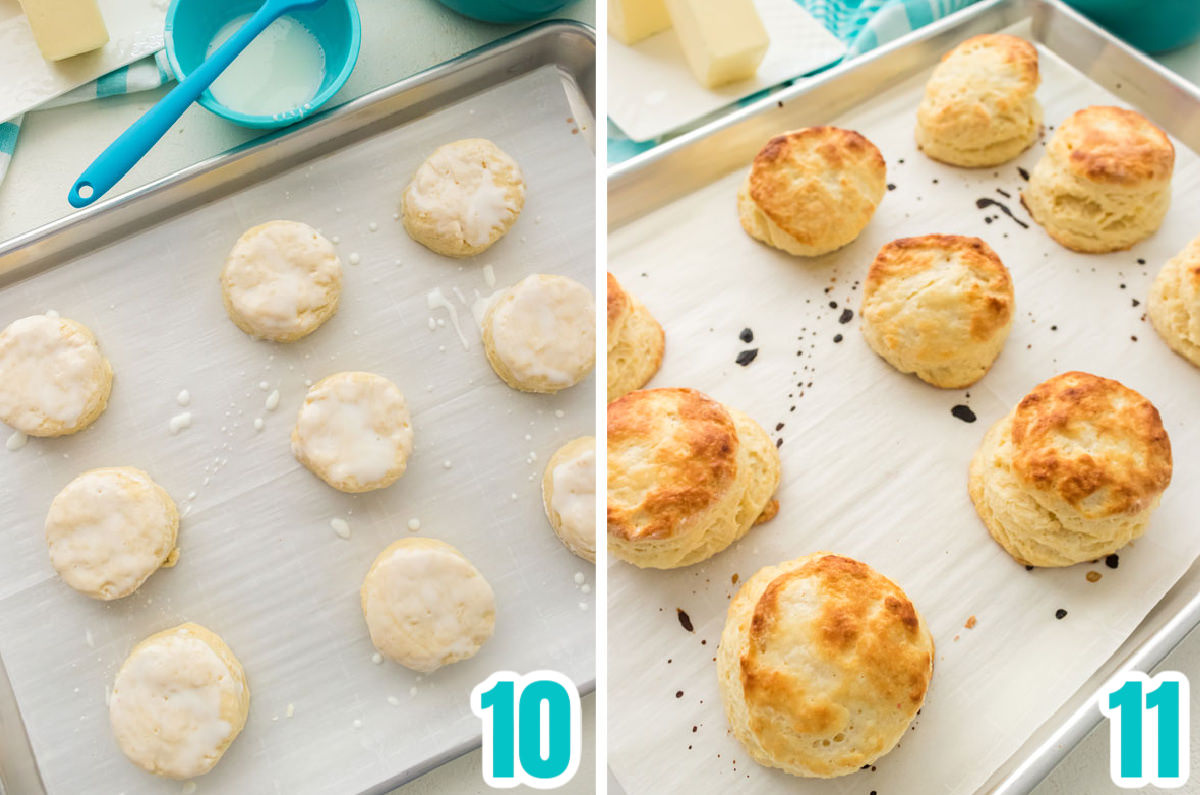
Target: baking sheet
260 563
874 463
135 30
651 90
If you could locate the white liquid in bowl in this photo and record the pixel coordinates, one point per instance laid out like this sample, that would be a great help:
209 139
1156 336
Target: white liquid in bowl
280 71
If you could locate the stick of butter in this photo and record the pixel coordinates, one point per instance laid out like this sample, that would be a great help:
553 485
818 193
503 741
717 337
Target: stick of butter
63 28
633 20
723 40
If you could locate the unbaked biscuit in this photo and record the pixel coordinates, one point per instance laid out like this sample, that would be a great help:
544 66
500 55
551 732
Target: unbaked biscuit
53 378
426 606
178 702
812 191
979 107
540 334
687 476
823 665
354 432
281 281
463 198
1174 302
938 306
1073 472
109 529
635 342
1104 182
569 495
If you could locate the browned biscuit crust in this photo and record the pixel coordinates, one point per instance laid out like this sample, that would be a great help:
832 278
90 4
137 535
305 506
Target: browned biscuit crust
1113 145
618 307
786 182
1092 442
672 454
823 664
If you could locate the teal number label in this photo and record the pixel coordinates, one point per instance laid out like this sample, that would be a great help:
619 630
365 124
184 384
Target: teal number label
1148 729
532 729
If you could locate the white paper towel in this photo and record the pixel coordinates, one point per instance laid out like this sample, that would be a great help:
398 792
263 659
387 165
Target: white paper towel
135 30
651 90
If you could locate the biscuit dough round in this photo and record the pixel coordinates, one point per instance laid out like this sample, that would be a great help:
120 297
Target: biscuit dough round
463 198
938 306
178 702
812 191
687 476
281 281
109 529
354 432
569 495
53 378
1104 182
426 606
540 334
823 665
1073 473
980 107
635 342
1174 303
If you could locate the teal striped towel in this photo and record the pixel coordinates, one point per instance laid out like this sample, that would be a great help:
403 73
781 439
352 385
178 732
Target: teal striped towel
862 24
143 75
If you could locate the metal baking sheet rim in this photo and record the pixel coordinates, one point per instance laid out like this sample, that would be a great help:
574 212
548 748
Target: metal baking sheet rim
568 46
669 172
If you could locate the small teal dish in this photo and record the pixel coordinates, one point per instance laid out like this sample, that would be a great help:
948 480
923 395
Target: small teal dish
192 24
505 10
1150 25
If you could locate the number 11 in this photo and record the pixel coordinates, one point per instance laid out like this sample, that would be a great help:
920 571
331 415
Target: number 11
1149 728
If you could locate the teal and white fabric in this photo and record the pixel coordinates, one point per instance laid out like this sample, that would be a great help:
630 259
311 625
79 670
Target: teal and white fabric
146 74
865 24
862 24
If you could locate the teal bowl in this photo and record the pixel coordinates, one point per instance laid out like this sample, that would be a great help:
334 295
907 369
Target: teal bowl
192 25
1149 25
505 10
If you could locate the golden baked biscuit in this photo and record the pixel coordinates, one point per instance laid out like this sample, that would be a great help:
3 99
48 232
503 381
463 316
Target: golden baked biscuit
979 107
281 281
687 477
109 529
1104 182
938 306
812 191
635 342
569 495
1073 472
53 379
179 701
1174 302
463 198
823 665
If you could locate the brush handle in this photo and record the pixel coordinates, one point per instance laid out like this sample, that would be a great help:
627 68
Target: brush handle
121 155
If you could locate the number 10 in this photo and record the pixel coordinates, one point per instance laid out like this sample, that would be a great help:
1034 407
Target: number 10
532 729
1149 729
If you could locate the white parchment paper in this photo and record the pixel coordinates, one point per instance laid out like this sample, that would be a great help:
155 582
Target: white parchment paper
260 563
875 465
